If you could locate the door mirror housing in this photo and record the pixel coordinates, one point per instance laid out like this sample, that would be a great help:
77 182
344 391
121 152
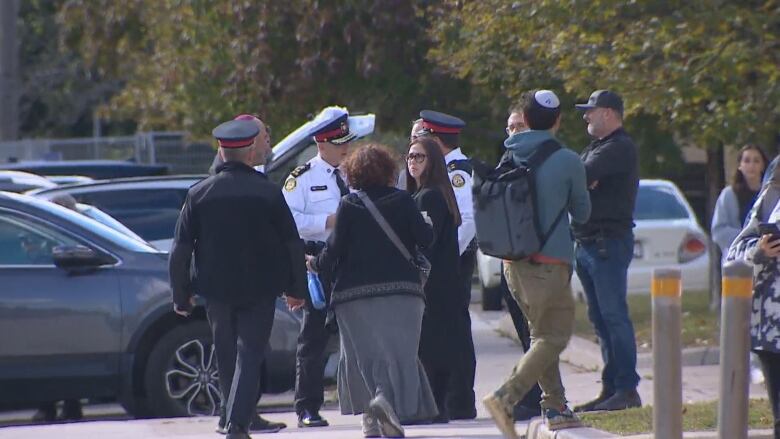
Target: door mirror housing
69 257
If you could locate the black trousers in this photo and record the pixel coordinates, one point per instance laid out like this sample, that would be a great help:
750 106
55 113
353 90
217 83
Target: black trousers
533 398
460 398
310 359
241 335
770 364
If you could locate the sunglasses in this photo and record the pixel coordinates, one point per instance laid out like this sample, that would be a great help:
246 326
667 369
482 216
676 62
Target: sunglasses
416 157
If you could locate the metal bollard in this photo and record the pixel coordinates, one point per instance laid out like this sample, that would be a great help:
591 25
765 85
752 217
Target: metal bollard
734 350
666 289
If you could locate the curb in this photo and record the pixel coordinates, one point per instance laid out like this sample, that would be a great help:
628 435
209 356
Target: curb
752 434
586 354
537 430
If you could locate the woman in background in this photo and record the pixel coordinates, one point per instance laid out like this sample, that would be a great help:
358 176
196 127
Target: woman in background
429 184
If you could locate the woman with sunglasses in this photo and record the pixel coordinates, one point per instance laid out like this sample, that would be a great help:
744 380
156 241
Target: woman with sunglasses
429 184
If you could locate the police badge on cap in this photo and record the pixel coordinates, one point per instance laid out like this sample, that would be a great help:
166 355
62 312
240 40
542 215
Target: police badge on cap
332 126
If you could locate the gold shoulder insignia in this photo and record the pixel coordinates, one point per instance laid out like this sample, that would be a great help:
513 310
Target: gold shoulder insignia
300 170
290 184
458 180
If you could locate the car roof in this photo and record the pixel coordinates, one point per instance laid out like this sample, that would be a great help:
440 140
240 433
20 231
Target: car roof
175 181
89 168
304 130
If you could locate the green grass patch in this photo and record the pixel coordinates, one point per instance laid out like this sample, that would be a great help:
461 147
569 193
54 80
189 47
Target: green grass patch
699 323
696 417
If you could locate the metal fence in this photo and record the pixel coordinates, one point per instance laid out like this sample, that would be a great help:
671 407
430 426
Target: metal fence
158 147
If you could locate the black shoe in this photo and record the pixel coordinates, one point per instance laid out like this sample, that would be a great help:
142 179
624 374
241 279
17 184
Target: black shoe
46 413
236 432
591 405
261 425
311 419
463 414
523 412
71 410
621 400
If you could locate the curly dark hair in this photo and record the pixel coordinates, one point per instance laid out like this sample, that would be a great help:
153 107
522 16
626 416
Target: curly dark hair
372 165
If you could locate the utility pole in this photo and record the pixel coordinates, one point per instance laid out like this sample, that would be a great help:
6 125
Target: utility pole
9 71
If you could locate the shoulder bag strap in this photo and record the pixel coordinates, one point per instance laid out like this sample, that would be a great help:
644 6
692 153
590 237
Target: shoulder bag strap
384 225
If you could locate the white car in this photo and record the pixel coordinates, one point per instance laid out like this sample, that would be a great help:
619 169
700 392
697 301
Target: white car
667 235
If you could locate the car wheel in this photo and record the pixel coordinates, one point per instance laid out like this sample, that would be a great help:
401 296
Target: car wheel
181 377
491 298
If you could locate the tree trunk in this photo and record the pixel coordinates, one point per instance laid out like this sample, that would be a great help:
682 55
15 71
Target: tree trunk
715 182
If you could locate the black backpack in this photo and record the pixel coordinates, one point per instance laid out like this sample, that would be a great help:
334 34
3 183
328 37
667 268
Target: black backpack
506 205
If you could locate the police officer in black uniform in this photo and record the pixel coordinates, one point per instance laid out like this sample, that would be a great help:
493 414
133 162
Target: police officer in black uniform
247 252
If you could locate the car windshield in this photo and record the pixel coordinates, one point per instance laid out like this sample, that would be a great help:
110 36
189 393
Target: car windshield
658 203
81 220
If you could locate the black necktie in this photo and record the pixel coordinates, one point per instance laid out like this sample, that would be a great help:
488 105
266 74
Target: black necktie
340 183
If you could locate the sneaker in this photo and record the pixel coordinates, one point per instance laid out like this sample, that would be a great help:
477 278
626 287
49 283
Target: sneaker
501 416
370 426
560 419
380 409
590 405
621 400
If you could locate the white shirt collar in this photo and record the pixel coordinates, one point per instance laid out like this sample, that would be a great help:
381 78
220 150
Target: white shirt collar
318 161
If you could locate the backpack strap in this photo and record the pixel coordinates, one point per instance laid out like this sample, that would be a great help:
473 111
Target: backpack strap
545 150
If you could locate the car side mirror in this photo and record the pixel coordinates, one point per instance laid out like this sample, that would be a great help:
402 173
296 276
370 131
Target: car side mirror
70 257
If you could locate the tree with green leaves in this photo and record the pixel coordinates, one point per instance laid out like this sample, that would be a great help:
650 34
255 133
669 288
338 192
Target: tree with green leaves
705 71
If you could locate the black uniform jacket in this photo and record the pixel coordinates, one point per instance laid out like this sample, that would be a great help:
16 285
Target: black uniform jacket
244 239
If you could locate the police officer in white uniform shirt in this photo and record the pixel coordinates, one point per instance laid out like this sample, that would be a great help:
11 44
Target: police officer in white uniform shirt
313 192
460 399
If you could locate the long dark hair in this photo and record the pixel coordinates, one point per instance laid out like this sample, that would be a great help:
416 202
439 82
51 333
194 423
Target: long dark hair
745 195
434 175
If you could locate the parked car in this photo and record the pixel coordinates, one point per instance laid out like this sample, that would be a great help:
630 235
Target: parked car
17 181
149 206
96 169
667 235
85 312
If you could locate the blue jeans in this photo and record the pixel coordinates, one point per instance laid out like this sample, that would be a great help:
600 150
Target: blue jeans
602 267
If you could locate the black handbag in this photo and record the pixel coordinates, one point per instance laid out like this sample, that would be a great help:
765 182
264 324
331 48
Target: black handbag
418 261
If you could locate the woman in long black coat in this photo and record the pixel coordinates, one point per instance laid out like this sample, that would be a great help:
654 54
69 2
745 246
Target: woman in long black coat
428 183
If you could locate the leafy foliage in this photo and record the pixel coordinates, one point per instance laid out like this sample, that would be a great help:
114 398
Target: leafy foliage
707 70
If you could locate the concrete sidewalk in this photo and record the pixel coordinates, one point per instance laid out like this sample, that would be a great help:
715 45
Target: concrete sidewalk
496 355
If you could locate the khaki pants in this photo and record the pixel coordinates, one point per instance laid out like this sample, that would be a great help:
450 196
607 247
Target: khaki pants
543 292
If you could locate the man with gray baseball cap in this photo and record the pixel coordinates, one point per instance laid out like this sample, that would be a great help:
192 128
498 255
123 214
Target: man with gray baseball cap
605 247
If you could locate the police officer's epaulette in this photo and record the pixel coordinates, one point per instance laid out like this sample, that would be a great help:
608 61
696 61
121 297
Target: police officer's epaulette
460 165
300 170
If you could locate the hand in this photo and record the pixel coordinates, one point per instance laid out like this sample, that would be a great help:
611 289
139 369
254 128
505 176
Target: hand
294 304
309 262
331 221
594 185
769 246
185 312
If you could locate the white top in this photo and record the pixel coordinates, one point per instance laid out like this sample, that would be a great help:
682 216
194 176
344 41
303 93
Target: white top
312 197
461 184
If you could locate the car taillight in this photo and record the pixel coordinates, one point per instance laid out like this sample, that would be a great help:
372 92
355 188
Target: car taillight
691 248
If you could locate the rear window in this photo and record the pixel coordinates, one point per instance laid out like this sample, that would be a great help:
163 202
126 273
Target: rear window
658 203
151 213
